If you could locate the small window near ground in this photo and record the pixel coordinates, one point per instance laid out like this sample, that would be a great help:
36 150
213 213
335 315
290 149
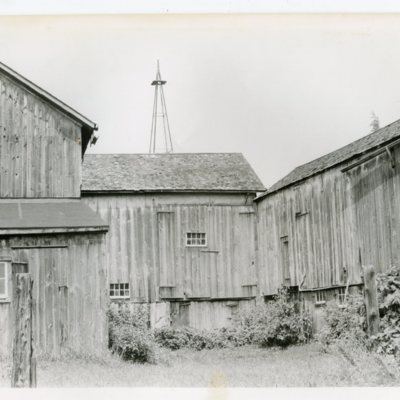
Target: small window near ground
196 239
119 291
3 281
320 297
341 295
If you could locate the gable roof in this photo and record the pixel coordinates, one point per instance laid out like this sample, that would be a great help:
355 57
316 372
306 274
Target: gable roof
172 172
88 126
41 216
367 143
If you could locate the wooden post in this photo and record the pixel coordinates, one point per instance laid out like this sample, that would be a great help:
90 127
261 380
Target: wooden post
371 300
24 364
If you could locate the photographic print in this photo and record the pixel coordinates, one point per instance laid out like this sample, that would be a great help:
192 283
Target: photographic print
199 201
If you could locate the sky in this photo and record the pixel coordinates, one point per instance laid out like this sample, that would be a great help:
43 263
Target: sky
282 89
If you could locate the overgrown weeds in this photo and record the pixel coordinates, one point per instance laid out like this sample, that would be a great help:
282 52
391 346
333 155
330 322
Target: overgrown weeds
280 323
130 336
345 323
276 323
345 330
388 339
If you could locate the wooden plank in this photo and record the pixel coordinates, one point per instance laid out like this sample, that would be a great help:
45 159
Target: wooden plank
371 300
36 161
23 369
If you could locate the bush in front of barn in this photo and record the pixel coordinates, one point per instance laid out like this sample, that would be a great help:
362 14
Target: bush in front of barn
280 322
388 339
130 336
276 323
346 324
173 338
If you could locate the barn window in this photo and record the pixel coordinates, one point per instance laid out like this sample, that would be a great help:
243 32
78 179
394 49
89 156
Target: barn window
341 295
196 239
3 280
320 297
119 291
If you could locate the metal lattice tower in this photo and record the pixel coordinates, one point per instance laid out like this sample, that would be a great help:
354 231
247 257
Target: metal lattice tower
159 103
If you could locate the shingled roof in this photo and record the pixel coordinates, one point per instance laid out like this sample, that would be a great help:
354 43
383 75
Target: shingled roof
177 172
28 215
352 150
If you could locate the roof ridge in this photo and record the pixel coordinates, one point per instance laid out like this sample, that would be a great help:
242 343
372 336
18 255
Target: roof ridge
224 172
375 133
280 184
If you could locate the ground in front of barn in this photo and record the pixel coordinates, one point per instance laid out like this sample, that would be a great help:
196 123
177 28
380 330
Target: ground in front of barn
300 366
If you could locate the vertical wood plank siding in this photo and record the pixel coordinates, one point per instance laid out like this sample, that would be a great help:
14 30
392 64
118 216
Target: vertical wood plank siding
70 292
40 148
329 220
146 246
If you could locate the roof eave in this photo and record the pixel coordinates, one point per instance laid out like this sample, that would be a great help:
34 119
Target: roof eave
354 156
44 231
134 191
48 97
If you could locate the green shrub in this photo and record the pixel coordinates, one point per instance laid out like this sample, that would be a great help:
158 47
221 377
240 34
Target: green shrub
344 322
280 323
201 340
173 338
388 339
240 334
130 336
348 323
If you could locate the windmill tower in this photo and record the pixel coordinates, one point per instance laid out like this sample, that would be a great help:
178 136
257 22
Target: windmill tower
160 112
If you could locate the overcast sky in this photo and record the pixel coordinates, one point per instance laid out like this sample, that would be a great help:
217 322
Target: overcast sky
282 89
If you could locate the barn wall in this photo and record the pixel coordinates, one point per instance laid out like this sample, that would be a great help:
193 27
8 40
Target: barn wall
305 235
70 292
146 245
318 232
208 315
376 193
40 148
197 314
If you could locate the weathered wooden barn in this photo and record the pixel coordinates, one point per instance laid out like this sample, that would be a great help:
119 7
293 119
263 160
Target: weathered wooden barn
45 228
182 232
326 218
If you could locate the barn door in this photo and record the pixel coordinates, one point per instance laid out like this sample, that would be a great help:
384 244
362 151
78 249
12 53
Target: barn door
202 262
285 266
167 252
246 256
63 315
49 267
180 313
302 255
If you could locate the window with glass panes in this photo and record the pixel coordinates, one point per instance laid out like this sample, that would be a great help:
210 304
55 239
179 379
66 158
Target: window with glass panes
320 297
3 280
119 290
341 295
196 239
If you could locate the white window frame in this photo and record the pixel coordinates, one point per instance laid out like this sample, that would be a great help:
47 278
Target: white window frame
4 296
320 297
341 295
119 296
196 233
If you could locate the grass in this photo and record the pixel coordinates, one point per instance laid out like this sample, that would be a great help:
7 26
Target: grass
299 366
